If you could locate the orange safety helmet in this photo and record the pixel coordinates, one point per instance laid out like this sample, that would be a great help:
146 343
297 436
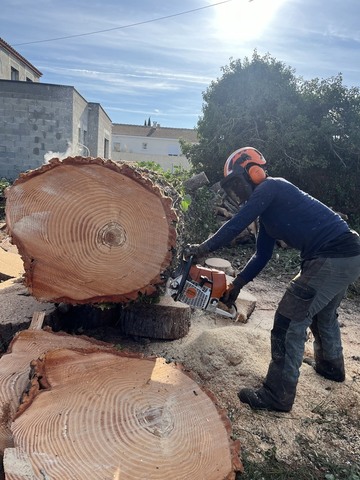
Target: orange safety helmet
242 173
248 159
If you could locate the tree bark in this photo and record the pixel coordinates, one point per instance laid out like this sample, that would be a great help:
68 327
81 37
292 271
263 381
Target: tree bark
166 320
90 231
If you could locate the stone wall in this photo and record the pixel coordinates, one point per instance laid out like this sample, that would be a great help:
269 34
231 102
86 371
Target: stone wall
39 121
35 118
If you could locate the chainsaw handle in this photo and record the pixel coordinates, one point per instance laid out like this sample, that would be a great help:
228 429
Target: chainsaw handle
204 279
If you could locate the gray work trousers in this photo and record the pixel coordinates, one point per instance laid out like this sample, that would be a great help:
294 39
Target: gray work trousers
323 283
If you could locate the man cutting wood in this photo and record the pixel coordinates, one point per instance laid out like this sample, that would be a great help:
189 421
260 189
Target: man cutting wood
330 261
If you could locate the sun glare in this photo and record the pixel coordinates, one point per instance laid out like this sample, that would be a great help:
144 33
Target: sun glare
243 19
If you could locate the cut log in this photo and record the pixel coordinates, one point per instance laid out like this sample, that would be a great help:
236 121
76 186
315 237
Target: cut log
102 415
90 230
245 304
166 320
37 321
195 182
219 264
15 369
17 465
11 265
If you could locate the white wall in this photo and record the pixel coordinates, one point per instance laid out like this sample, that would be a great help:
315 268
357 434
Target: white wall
145 145
166 162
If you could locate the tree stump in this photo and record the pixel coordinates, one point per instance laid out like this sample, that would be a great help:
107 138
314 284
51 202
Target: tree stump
166 320
219 264
107 415
90 230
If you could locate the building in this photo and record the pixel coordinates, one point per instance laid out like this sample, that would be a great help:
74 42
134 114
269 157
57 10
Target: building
39 120
14 66
151 144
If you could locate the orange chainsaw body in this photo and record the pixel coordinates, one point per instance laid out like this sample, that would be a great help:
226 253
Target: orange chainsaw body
200 287
211 278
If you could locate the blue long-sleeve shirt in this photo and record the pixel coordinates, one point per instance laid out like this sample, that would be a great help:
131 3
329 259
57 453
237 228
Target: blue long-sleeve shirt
285 213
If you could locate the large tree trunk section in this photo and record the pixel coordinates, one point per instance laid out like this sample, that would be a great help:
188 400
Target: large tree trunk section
90 230
166 320
15 368
103 415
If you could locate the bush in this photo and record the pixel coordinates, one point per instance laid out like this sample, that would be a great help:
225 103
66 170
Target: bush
3 184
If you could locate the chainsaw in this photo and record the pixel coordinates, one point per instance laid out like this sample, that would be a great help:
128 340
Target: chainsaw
200 287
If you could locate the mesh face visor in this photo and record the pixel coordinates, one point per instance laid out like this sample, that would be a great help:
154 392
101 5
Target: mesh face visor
236 187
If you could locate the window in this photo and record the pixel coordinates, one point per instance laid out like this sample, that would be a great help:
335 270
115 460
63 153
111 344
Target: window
173 150
144 146
106 148
117 146
14 74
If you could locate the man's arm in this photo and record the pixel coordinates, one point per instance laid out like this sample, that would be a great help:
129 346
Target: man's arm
264 249
248 213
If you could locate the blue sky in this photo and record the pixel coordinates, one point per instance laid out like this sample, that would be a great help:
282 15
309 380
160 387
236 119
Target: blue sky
159 68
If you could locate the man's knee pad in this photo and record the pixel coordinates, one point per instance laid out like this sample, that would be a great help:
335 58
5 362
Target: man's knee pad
296 302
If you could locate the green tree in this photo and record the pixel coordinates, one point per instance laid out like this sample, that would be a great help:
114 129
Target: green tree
307 130
333 142
239 109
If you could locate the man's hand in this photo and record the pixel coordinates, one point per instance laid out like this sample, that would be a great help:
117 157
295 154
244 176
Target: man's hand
232 292
195 250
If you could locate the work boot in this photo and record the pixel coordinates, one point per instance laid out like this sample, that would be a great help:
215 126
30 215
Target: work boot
260 400
331 369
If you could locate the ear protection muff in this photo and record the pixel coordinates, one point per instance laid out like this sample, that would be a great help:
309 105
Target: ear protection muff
246 161
256 173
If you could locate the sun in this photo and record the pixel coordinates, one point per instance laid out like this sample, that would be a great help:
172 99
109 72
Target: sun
243 20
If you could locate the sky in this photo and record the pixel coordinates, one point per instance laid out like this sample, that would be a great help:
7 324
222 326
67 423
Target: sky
144 59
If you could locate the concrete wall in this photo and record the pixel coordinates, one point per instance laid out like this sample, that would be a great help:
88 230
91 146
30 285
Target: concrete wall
80 123
100 132
35 118
39 121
